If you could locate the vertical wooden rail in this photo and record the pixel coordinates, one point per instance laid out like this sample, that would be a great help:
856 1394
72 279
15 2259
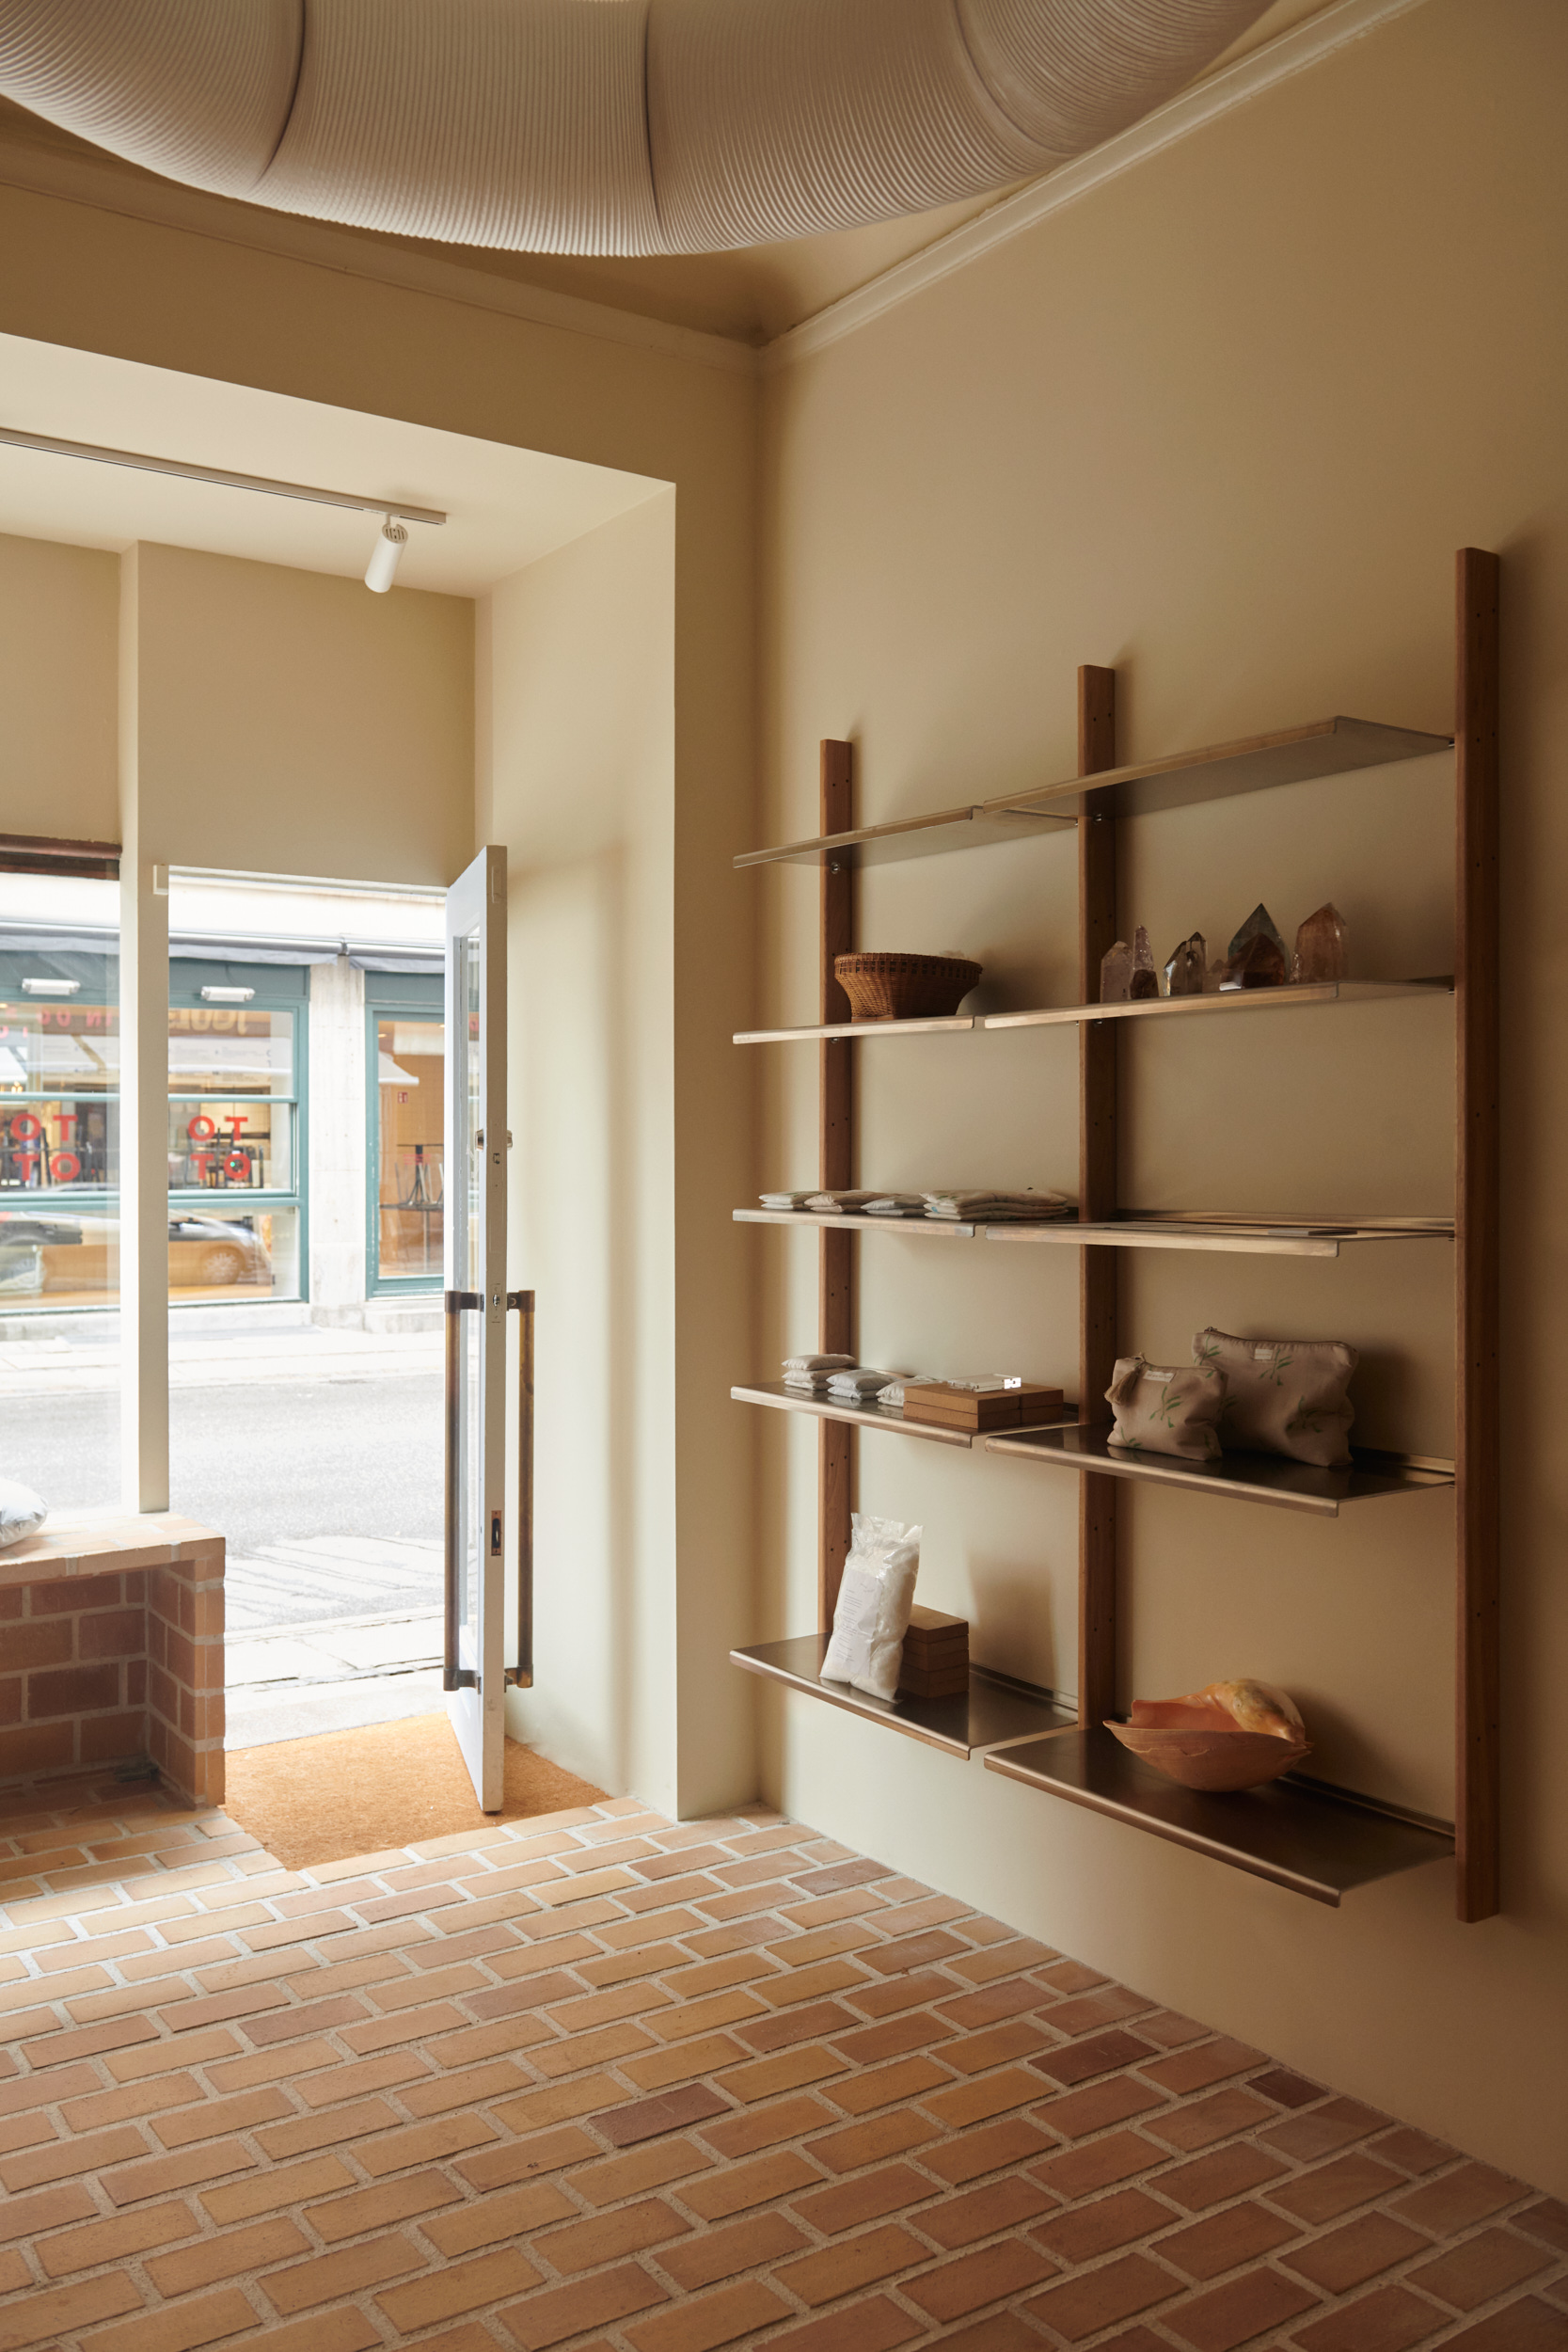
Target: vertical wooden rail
1477 1207
522 1674
835 1167
1096 1201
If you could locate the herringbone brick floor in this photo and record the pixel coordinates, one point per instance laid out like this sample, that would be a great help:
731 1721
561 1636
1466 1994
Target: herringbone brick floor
598 2081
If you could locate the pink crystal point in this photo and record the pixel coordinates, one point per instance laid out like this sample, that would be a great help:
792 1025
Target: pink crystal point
1116 973
1322 947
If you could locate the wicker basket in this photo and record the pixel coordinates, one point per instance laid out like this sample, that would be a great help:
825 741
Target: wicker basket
904 988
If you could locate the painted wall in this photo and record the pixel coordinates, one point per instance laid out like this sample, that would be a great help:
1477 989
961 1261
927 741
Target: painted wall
59 609
302 725
1222 423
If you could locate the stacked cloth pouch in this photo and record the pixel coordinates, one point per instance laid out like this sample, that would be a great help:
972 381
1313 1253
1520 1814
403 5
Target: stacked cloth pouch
1162 1408
1283 1396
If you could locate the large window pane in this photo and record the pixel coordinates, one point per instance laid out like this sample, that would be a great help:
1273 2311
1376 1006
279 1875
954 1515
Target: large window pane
410 1062
60 1186
234 1169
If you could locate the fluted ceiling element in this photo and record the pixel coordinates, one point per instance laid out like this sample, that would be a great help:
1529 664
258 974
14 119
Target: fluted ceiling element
604 126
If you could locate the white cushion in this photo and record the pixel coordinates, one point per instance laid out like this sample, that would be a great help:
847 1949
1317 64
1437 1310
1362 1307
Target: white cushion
22 1514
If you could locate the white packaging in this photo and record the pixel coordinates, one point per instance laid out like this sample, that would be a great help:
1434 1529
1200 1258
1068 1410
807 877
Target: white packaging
874 1604
22 1514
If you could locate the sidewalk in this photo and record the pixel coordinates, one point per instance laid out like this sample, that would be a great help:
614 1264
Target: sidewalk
303 1352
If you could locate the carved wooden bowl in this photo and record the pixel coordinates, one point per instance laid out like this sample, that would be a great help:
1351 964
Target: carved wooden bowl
1211 1759
886 987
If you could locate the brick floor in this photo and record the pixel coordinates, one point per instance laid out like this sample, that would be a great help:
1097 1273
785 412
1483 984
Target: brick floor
598 2081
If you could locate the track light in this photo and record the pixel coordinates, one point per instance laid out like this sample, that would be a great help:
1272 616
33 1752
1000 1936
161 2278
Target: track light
381 568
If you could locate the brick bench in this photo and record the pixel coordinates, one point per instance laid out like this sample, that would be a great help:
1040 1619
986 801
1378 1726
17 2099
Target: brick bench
111 1650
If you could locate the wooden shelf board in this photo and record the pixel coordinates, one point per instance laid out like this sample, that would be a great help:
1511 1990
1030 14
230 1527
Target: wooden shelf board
774 1394
857 1029
995 1710
1250 1239
1243 1477
967 828
1298 1833
1226 1000
1257 763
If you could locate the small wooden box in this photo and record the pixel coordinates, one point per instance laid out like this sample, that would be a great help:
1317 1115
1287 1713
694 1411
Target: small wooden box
936 1656
980 1410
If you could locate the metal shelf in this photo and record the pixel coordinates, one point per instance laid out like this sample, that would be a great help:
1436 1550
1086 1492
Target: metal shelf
1317 1840
857 1029
1240 1477
996 1709
1257 763
1250 1237
774 1392
1293 993
968 828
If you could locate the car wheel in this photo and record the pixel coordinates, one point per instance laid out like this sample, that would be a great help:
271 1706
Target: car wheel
223 1265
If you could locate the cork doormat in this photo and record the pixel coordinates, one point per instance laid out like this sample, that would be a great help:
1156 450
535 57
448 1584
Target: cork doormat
362 1792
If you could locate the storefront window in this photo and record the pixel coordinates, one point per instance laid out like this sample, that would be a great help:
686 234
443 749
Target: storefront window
234 1140
409 1059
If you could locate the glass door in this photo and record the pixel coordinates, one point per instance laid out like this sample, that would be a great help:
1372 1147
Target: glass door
475 1257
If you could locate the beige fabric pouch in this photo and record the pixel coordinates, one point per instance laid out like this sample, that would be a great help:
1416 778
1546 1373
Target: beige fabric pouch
1165 1410
1283 1396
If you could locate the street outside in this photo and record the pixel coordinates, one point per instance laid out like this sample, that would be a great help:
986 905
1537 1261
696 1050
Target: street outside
318 1454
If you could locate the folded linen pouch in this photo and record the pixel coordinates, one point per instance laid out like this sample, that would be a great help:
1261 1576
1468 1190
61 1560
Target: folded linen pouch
896 1204
840 1203
1284 1396
992 1208
783 1199
851 1387
811 1372
1165 1410
894 1393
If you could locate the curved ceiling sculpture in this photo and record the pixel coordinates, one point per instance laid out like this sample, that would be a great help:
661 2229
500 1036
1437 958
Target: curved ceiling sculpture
604 126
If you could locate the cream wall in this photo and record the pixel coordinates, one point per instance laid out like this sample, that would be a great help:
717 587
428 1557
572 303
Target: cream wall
59 622
1221 424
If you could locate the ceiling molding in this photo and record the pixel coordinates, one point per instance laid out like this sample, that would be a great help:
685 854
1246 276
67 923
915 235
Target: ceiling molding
1281 60
108 188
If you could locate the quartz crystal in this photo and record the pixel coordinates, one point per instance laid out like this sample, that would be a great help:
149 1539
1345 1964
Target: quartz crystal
1186 973
1145 980
1116 973
1260 964
1323 947
1259 921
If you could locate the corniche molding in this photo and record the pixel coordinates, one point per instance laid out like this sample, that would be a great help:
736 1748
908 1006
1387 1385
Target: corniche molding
103 187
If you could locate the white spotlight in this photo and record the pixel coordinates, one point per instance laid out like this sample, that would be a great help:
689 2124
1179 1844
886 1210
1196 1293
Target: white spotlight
381 568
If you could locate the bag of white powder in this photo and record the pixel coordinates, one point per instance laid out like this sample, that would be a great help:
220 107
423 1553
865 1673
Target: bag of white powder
874 1603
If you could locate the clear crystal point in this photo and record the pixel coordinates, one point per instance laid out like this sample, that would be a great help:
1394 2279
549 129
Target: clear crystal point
1187 969
1145 980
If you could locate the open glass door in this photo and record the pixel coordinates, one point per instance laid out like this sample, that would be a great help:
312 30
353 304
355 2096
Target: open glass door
476 1141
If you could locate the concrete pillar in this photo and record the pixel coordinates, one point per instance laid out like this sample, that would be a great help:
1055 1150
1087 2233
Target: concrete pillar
337 1147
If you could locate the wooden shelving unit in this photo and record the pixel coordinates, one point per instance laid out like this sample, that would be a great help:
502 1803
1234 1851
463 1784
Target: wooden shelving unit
1319 1841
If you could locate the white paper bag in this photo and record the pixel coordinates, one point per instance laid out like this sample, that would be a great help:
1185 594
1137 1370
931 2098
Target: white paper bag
874 1604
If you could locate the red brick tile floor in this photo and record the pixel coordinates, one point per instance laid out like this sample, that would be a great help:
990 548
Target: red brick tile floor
594 2080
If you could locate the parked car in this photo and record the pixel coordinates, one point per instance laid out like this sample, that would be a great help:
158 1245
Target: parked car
77 1254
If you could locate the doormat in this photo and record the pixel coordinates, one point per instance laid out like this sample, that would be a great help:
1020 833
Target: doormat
365 1792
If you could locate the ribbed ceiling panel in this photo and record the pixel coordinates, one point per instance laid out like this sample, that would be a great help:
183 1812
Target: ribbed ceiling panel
604 126
198 89
481 122
1071 72
779 118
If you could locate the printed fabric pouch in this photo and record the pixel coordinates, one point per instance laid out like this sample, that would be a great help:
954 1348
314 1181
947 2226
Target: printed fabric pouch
1162 1408
1284 1396
874 1603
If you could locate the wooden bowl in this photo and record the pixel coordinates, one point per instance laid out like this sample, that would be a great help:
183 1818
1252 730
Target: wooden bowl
1211 1759
885 986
